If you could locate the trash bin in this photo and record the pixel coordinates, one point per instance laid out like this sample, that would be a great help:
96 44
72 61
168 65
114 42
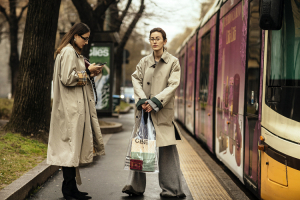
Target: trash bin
116 101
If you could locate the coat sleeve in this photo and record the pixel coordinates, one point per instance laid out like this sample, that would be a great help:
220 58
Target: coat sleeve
137 82
168 93
69 75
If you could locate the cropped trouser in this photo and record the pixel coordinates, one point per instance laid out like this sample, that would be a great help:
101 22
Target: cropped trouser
170 175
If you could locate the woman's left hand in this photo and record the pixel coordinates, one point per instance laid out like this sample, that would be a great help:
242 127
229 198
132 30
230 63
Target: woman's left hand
148 107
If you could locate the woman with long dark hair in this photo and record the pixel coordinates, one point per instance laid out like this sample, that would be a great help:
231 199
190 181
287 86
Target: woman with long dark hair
155 81
75 135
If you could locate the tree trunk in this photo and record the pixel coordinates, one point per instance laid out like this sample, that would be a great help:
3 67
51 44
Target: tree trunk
14 54
32 105
118 73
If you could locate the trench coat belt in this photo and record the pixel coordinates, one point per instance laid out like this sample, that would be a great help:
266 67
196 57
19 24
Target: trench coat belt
78 178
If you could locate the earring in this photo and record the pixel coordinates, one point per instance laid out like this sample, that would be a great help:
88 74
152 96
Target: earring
74 39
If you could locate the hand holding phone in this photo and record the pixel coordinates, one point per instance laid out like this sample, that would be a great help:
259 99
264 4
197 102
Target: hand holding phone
100 64
95 69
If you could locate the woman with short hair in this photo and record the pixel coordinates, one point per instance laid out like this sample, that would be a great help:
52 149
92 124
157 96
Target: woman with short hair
75 135
155 81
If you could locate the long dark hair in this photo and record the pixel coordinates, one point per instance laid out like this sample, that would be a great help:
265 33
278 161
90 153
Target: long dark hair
79 29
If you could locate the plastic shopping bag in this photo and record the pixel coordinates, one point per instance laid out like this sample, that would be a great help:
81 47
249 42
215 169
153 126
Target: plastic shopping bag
142 153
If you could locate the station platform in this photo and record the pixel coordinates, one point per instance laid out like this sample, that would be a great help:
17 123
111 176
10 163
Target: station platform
105 177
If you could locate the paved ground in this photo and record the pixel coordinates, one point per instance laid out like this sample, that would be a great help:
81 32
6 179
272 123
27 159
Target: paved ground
105 178
204 176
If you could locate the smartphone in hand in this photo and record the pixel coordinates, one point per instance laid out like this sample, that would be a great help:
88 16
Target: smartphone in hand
100 64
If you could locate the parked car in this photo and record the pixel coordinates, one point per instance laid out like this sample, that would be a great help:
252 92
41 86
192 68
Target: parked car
127 94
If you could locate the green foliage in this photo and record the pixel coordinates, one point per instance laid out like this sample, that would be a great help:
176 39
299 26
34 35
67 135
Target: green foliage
6 106
124 105
18 154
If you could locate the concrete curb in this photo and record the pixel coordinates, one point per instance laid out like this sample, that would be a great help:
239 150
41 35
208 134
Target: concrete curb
112 129
21 188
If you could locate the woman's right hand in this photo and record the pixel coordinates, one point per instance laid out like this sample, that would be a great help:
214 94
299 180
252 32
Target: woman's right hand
95 69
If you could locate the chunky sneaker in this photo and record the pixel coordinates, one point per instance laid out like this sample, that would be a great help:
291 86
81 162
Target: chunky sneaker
130 191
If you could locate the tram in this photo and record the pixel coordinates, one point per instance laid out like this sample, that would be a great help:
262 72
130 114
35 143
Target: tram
239 92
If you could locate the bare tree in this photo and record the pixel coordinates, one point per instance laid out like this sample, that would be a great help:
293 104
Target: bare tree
120 48
178 40
31 110
13 21
94 18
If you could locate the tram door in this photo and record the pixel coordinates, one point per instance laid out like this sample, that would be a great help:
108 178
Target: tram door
205 82
252 104
182 88
176 101
190 85
230 90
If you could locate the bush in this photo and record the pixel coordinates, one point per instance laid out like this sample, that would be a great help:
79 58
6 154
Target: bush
6 106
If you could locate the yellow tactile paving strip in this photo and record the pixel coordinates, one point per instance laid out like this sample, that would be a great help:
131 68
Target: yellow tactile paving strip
200 180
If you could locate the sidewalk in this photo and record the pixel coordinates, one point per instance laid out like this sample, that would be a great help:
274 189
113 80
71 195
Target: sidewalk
105 177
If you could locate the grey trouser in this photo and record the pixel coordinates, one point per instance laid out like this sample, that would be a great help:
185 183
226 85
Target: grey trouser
170 175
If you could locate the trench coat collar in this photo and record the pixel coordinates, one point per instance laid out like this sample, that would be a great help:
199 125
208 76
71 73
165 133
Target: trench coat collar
165 57
78 56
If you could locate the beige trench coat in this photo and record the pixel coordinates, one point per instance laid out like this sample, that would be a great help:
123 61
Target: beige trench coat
74 127
159 83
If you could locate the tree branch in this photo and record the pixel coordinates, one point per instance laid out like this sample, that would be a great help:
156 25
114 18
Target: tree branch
131 26
100 11
20 16
120 19
125 11
85 11
2 9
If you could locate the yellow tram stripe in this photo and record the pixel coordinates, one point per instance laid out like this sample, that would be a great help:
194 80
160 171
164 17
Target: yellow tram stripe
200 180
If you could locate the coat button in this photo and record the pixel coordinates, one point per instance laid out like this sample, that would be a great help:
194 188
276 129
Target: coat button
148 83
154 66
139 98
161 100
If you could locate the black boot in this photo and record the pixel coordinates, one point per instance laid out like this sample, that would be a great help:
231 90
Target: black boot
69 187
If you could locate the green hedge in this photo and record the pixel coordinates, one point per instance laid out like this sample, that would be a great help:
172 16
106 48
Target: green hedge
6 106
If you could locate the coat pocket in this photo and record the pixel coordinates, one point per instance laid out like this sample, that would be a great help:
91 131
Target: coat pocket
165 117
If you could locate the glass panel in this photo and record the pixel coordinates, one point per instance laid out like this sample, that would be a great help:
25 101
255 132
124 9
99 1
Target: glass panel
254 50
285 48
204 78
253 86
283 72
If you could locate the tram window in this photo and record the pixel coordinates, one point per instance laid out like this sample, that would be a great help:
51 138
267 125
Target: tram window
283 70
254 47
285 48
204 70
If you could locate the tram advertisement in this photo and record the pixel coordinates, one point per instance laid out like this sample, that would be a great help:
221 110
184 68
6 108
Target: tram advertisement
230 88
101 54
